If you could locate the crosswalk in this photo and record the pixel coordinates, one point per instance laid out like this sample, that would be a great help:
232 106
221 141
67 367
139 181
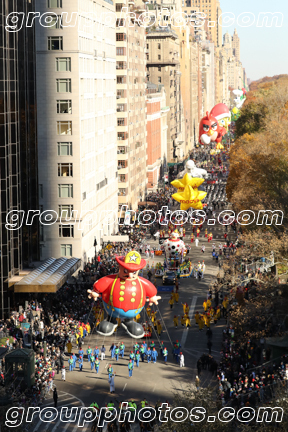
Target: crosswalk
73 414
73 405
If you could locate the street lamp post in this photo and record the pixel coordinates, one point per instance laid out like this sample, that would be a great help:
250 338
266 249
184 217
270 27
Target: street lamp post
95 245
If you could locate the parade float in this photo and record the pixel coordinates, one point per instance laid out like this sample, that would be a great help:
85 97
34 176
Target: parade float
124 296
185 269
159 270
174 249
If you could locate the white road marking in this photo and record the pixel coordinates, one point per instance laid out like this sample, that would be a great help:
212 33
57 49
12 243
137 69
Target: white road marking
124 387
49 404
58 424
191 312
39 425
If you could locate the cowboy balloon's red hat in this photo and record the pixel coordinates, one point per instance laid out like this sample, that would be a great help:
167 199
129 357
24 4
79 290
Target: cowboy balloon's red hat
132 261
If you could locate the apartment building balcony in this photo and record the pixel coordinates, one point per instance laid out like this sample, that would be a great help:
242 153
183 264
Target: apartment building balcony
122 199
123 185
123 170
121 128
122 156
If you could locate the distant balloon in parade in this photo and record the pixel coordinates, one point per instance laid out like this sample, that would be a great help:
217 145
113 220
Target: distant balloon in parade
208 129
188 194
240 97
174 246
223 115
193 171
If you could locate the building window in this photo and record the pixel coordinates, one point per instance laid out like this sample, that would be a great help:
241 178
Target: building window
159 80
121 150
121 108
66 250
55 43
159 68
83 196
64 107
121 65
102 184
122 178
54 22
122 164
63 85
63 64
54 4
65 149
65 170
122 192
147 56
64 127
119 22
159 46
40 190
120 94
65 211
120 36
65 191
159 57
120 122
121 79
66 230
119 7
120 51
147 46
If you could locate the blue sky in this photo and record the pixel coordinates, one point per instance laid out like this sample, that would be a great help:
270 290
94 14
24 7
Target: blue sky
263 50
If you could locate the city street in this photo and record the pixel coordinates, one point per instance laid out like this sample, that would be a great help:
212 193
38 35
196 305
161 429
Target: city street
151 381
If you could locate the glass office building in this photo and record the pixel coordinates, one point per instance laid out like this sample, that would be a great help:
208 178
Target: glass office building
18 146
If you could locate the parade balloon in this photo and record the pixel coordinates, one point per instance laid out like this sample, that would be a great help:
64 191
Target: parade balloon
173 246
222 114
193 170
124 296
188 194
208 129
240 98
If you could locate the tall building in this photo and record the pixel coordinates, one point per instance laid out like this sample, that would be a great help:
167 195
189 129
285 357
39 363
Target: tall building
185 68
189 53
76 100
208 75
163 67
18 146
212 11
236 45
131 111
218 24
155 100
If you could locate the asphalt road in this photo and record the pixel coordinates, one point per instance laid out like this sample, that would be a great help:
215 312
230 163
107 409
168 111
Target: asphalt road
152 381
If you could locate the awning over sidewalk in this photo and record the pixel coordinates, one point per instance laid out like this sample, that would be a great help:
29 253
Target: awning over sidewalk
115 238
49 276
148 203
